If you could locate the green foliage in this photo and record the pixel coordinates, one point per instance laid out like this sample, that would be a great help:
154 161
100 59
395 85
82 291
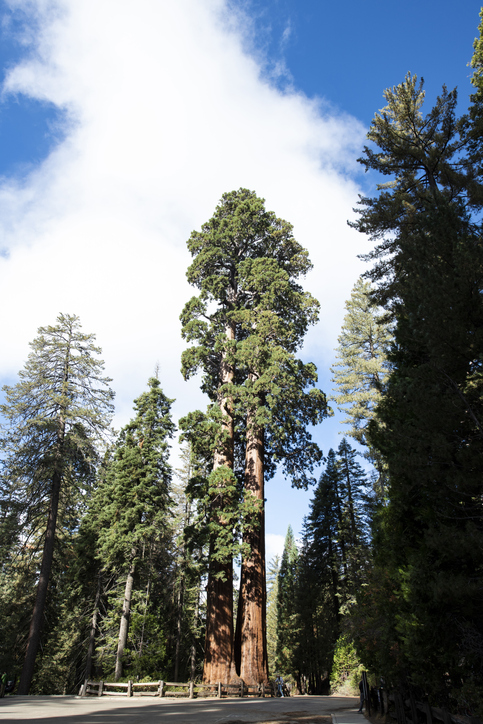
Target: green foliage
273 569
56 417
346 668
287 619
246 264
361 372
132 501
423 610
331 567
131 514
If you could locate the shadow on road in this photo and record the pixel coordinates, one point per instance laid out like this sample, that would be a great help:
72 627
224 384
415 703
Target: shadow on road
73 710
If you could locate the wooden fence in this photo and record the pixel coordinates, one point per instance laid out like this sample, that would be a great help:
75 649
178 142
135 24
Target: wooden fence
171 688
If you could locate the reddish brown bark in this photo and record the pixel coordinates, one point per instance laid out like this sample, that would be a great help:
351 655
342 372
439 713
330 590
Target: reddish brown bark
219 664
219 660
251 636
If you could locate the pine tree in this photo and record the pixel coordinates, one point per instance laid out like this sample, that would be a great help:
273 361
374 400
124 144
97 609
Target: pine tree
427 427
326 545
332 563
189 571
272 612
362 367
287 621
473 125
55 416
133 502
315 622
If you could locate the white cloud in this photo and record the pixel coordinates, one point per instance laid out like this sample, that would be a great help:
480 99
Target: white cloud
166 111
273 546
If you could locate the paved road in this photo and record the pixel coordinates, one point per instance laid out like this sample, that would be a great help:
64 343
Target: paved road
117 710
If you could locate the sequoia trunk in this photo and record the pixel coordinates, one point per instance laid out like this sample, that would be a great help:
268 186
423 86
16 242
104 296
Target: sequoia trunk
251 638
219 659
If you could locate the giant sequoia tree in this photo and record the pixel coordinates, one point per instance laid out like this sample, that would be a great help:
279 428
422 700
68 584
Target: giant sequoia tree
55 415
247 322
429 425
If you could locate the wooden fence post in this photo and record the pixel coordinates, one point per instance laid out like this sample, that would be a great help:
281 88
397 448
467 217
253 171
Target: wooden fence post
101 687
219 690
241 689
191 689
83 690
129 687
161 688
263 690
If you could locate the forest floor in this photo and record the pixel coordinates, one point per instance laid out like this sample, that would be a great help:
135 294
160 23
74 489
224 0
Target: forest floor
377 719
137 710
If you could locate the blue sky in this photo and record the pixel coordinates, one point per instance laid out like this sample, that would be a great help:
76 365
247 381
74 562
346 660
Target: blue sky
122 126
349 52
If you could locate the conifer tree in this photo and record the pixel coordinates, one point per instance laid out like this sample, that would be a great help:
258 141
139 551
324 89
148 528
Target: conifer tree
272 612
287 631
362 367
332 563
428 267
55 416
326 546
189 570
248 263
133 502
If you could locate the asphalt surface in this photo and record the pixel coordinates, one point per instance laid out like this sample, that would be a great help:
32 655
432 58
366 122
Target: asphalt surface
150 710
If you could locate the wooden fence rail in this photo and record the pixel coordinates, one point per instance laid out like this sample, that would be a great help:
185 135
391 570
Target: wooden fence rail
160 688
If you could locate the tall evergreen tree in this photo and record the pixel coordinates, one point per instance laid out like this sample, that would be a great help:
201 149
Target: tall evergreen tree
287 631
362 367
189 572
474 123
132 504
248 263
272 612
326 543
55 416
333 560
429 275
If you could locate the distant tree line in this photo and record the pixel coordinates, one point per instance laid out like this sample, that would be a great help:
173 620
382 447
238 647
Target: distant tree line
96 577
